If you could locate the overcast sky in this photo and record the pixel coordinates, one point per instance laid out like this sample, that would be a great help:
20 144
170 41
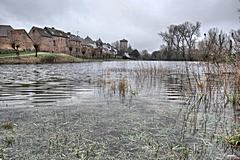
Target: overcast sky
139 21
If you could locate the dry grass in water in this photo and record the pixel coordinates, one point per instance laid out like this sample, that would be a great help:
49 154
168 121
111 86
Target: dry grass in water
213 107
8 125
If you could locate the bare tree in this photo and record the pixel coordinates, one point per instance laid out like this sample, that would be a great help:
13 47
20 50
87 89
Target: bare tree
130 49
15 43
116 45
235 35
174 29
189 33
36 42
36 46
168 37
145 55
179 37
217 44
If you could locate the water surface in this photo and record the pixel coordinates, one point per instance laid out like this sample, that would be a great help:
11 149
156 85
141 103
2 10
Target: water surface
83 110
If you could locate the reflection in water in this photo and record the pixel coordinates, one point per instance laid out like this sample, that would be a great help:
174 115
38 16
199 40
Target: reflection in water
146 109
26 85
41 84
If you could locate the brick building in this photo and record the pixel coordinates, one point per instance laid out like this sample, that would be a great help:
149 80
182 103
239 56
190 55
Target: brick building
52 40
41 38
21 38
74 44
60 39
99 48
87 47
5 41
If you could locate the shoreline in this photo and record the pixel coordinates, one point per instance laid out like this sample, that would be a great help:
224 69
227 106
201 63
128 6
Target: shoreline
46 58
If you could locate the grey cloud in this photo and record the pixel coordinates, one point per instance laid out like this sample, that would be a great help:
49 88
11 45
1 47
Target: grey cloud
138 21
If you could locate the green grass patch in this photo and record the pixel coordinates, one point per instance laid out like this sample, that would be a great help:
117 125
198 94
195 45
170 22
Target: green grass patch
13 54
42 58
234 140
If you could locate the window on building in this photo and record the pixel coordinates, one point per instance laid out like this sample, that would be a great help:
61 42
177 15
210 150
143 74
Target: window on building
54 43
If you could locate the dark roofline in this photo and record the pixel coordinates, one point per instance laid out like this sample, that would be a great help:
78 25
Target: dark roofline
89 40
6 26
34 27
40 30
123 40
5 29
74 38
64 35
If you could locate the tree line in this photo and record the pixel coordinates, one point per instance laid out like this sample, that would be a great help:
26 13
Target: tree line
184 42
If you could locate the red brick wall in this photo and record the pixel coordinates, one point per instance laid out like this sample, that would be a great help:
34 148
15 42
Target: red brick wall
5 43
60 45
87 50
45 43
76 47
21 38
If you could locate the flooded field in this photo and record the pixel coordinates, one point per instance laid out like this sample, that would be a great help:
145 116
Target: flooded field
115 110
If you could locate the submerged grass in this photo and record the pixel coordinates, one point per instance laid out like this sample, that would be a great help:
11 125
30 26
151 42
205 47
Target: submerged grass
8 125
113 130
233 140
213 108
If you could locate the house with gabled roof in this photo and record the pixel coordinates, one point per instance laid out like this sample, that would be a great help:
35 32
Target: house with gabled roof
42 38
5 40
89 40
60 40
99 48
74 44
109 49
20 38
87 49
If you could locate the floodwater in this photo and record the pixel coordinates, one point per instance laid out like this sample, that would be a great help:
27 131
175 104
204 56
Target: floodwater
59 84
109 110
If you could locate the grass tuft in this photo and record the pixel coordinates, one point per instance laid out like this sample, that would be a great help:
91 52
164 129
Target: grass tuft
8 125
233 140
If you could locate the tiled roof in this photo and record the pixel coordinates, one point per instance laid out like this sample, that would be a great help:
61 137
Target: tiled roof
42 32
4 30
23 31
89 40
55 32
73 37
